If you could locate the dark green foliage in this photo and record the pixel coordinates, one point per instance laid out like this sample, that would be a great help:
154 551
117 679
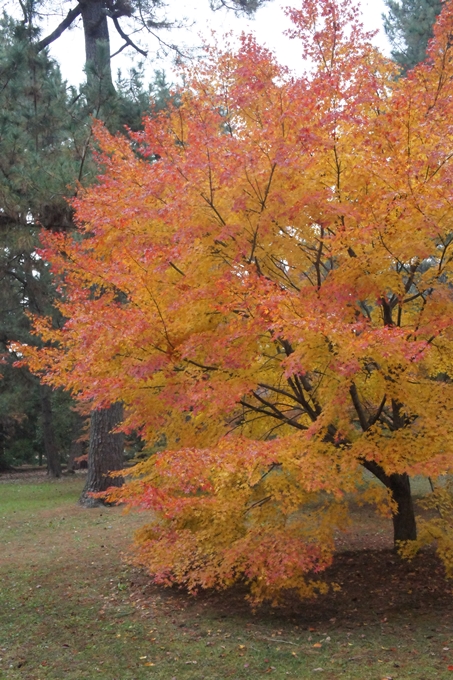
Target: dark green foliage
409 27
46 142
135 99
21 430
43 149
41 137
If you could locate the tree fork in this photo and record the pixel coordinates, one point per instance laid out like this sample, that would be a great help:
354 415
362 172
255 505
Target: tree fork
50 444
404 523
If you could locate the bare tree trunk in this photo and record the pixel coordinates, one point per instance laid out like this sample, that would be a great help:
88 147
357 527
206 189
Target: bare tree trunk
97 46
4 466
105 453
50 445
404 524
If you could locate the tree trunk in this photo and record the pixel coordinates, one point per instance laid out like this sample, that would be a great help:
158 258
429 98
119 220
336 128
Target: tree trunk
404 524
105 453
50 445
97 47
4 466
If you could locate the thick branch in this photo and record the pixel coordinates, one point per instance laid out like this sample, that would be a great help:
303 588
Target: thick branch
378 413
274 413
67 21
386 312
297 396
358 407
126 37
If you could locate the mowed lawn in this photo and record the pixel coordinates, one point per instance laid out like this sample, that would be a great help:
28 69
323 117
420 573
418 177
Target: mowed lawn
71 607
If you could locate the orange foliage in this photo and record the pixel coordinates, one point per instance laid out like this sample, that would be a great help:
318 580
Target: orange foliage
263 275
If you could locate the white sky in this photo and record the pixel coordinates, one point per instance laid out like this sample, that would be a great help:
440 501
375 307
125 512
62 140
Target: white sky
268 25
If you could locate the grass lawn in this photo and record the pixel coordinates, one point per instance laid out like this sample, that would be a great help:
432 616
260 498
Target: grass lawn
71 608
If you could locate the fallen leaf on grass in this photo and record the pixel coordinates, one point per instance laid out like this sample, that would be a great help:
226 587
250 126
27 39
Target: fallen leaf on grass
317 644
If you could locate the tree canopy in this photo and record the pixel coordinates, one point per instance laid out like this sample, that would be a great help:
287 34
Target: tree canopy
263 278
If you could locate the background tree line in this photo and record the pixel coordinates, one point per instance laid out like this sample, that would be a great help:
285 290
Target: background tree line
46 143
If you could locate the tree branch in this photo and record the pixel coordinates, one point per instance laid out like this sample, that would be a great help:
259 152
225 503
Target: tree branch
273 412
67 21
126 37
296 396
358 407
377 415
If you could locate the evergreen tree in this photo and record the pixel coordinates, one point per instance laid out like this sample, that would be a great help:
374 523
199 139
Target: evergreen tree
46 141
42 144
409 27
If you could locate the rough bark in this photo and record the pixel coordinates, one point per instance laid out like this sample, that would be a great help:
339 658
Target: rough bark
50 444
4 466
97 45
105 453
404 523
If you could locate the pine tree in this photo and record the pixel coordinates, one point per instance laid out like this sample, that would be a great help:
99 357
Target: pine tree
409 27
46 141
42 141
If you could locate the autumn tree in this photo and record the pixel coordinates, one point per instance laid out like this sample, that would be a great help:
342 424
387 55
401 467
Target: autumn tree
265 281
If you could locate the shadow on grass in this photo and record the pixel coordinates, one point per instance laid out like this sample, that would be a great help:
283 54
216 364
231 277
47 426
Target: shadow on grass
70 608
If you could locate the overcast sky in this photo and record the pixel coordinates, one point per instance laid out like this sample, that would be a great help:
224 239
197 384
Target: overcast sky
269 25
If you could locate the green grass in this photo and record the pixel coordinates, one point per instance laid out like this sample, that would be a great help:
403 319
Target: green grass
17 497
70 608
